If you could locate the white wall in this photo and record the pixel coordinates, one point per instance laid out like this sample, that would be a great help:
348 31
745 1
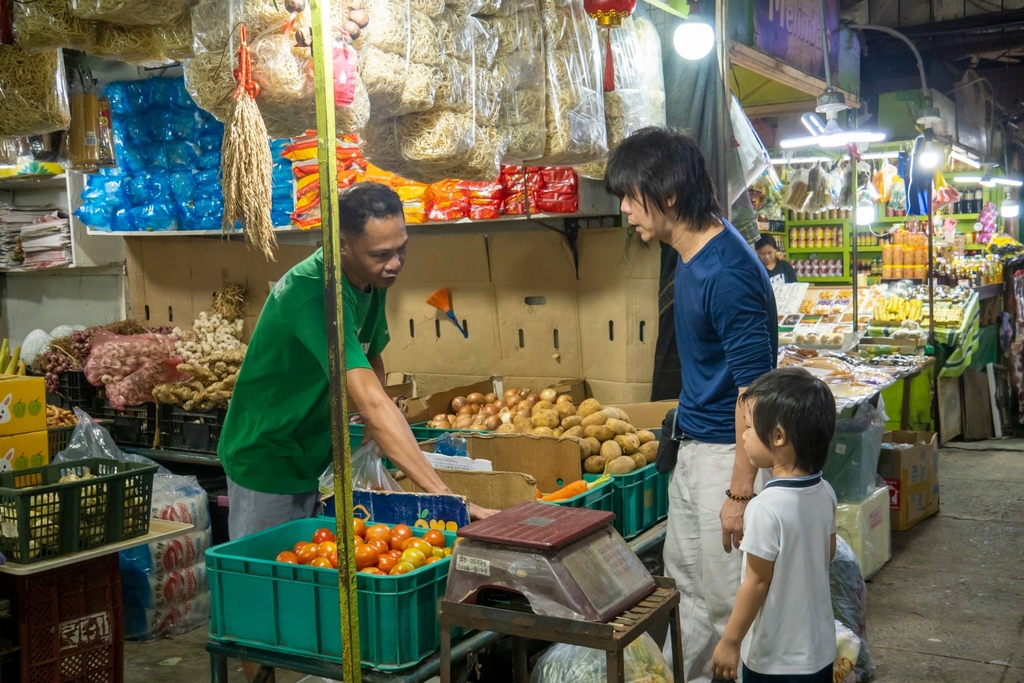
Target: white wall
71 297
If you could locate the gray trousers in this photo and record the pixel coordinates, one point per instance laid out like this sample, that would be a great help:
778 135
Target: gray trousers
250 512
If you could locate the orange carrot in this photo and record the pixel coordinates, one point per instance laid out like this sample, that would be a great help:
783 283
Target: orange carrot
574 489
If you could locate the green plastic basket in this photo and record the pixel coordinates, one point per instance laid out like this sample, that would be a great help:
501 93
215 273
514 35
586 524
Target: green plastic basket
294 608
600 497
43 518
641 500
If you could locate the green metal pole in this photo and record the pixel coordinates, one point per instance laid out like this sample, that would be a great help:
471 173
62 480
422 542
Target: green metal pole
323 79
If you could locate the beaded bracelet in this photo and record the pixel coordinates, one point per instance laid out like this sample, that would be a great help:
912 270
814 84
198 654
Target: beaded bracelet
739 499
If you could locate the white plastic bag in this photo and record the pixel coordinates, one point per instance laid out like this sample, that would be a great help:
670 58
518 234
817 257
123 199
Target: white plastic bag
368 472
850 602
643 663
847 649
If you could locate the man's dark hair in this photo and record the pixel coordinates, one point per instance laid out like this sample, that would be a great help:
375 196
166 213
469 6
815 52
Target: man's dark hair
658 165
765 241
364 201
802 405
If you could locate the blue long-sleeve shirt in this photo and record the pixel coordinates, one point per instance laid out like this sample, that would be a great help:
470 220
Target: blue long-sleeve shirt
726 330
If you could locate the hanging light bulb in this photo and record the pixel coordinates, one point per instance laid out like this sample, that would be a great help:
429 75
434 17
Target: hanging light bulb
865 211
693 39
1009 208
930 154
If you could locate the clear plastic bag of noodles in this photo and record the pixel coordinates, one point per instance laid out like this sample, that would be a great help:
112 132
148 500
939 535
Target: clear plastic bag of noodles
469 39
175 40
574 106
285 76
519 69
132 44
47 24
650 53
33 92
131 12
432 8
396 85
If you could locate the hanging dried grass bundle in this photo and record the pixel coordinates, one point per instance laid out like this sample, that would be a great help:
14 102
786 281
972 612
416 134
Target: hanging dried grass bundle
247 164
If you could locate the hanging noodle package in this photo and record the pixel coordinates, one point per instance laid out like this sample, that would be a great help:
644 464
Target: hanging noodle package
131 12
401 63
574 106
175 40
650 54
132 44
47 24
33 92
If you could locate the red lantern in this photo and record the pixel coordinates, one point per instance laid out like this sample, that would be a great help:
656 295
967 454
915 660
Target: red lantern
609 14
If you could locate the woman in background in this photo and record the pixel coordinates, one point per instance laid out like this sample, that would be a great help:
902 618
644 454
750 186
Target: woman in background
768 251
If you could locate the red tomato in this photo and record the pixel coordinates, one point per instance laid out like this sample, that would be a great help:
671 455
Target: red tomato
359 526
414 557
295 548
434 538
306 553
287 558
366 557
327 548
432 560
380 546
399 535
401 568
320 562
386 563
371 570
333 558
322 535
378 531
419 544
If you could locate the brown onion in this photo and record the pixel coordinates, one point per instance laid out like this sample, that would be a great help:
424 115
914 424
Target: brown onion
451 418
458 402
549 395
465 410
442 424
493 422
489 409
479 427
524 392
512 401
474 407
563 398
490 398
476 398
440 416
464 422
511 392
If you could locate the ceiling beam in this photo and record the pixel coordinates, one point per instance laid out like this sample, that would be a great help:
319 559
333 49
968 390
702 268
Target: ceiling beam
777 70
763 111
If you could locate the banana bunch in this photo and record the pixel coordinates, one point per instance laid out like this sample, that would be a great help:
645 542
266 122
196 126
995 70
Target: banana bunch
11 364
949 314
896 309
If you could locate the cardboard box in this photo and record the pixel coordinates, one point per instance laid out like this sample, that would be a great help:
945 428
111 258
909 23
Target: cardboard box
618 329
493 490
619 392
646 415
423 408
553 462
22 405
911 469
21 451
865 526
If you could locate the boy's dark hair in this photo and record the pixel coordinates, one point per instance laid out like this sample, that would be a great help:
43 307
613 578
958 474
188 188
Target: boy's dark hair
765 241
658 165
364 201
802 405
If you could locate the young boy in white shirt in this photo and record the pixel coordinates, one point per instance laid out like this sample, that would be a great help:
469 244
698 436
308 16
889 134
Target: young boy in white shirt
781 625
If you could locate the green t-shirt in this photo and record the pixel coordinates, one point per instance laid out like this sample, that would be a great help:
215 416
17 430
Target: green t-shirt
277 434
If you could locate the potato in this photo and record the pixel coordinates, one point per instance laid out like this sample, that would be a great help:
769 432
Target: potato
600 432
628 443
522 423
542 431
650 451
588 407
621 465
585 450
595 445
638 460
546 418
542 405
594 464
598 418
610 450
576 431
645 436
618 425
558 431
507 428
572 421
620 413
565 409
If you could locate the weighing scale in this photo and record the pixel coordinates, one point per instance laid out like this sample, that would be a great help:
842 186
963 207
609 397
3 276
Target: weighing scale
552 560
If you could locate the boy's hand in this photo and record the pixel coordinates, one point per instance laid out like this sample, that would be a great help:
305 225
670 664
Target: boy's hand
726 661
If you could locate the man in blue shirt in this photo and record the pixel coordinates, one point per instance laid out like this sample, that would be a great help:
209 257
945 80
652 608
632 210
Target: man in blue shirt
727 334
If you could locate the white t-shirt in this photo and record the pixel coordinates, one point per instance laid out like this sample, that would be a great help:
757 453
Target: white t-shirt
790 523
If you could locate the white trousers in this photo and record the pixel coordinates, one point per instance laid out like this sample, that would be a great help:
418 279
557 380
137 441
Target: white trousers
706 576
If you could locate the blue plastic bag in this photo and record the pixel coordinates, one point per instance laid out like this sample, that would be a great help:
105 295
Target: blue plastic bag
137 189
208 124
283 176
183 124
209 160
96 216
161 124
161 91
154 217
207 177
122 221
120 102
180 97
281 219
132 161
183 188
137 96
282 191
180 156
161 188
210 142
209 193
106 192
138 129
156 157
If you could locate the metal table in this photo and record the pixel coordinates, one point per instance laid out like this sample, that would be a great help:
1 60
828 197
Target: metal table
220 650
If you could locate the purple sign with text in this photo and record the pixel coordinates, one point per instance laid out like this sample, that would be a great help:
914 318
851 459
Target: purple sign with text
791 31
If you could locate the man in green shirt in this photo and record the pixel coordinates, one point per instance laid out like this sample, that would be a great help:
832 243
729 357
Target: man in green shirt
276 440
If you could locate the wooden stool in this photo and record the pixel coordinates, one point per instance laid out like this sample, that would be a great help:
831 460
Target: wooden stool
612 637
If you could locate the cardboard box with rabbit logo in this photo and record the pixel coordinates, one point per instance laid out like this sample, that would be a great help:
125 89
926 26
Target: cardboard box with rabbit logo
23 438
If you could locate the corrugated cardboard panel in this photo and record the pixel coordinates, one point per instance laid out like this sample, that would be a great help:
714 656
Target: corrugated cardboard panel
531 257
423 340
432 384
646 415
446 260
617 393
613 254
492 490
618 329
537 330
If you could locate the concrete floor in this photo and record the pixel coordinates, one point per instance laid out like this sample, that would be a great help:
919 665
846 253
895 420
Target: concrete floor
948 607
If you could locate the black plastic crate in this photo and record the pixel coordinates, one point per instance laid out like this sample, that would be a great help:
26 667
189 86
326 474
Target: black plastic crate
133 426
74 391
186 430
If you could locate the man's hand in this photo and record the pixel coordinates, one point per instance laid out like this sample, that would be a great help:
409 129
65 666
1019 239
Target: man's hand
726 661
732 524
476 513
